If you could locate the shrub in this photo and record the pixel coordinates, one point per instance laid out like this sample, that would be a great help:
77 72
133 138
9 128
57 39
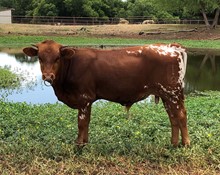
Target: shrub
8 79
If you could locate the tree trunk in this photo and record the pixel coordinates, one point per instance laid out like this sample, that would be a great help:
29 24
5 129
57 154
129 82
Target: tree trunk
215 21
202 7
205 18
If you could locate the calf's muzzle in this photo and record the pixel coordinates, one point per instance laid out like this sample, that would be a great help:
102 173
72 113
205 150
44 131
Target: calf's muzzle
48 77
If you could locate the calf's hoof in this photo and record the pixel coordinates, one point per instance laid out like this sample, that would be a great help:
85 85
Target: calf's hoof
186 143
80 144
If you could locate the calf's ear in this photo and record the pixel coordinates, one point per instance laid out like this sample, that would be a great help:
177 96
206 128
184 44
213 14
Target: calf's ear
67 52
30 51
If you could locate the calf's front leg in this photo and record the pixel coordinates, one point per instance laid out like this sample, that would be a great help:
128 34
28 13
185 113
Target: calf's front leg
83 125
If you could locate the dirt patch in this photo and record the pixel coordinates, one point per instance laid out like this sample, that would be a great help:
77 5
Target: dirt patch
142 31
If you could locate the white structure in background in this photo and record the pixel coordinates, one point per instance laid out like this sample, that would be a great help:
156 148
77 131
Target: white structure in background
5 16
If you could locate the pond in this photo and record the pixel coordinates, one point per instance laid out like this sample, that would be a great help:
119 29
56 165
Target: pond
33 90
203 73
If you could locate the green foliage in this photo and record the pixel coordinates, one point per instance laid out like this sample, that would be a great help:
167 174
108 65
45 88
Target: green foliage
44 8
155 9
74 7
8 79
196 6
22 7
41 138
6 3
94 8
191 9
142 8
165 16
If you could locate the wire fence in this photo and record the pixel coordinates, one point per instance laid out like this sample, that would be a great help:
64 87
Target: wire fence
59 20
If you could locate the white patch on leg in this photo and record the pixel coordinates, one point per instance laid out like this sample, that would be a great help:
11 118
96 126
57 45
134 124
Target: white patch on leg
164 50
82 116
84 110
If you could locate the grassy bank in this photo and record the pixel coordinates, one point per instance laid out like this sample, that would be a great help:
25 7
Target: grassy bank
39 139
20 35
22 41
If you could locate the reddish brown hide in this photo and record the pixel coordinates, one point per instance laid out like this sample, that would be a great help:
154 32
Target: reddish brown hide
81 76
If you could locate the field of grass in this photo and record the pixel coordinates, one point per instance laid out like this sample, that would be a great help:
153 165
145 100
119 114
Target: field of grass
39 139
21 35
23 41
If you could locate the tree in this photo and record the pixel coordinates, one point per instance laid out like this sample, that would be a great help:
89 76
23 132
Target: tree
60 6
6 3
207 8
142 8
20 6
95 8
74 7
115 7
150 9
43 8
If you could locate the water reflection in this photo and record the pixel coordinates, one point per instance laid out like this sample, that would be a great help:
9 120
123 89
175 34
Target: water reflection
32 90
21 58
203 70
203 73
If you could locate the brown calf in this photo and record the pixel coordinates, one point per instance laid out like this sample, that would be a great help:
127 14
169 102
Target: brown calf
81 76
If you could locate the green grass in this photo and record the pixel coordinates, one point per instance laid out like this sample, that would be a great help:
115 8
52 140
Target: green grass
22 41
8 79
39 139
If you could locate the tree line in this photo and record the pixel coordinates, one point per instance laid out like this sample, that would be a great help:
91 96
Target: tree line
153 9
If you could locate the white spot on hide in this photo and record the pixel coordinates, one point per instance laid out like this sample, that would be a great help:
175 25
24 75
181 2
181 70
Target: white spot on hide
135 52
85 96
140 51
82 116
176 52
165 50
128 52
84 110
182 67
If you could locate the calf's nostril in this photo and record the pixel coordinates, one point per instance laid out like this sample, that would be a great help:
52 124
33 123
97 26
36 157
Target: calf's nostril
52 76
48 76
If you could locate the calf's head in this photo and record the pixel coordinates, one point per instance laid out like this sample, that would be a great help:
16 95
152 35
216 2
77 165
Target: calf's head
50 54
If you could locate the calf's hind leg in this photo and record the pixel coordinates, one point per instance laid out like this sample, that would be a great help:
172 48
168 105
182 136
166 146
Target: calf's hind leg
178 120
